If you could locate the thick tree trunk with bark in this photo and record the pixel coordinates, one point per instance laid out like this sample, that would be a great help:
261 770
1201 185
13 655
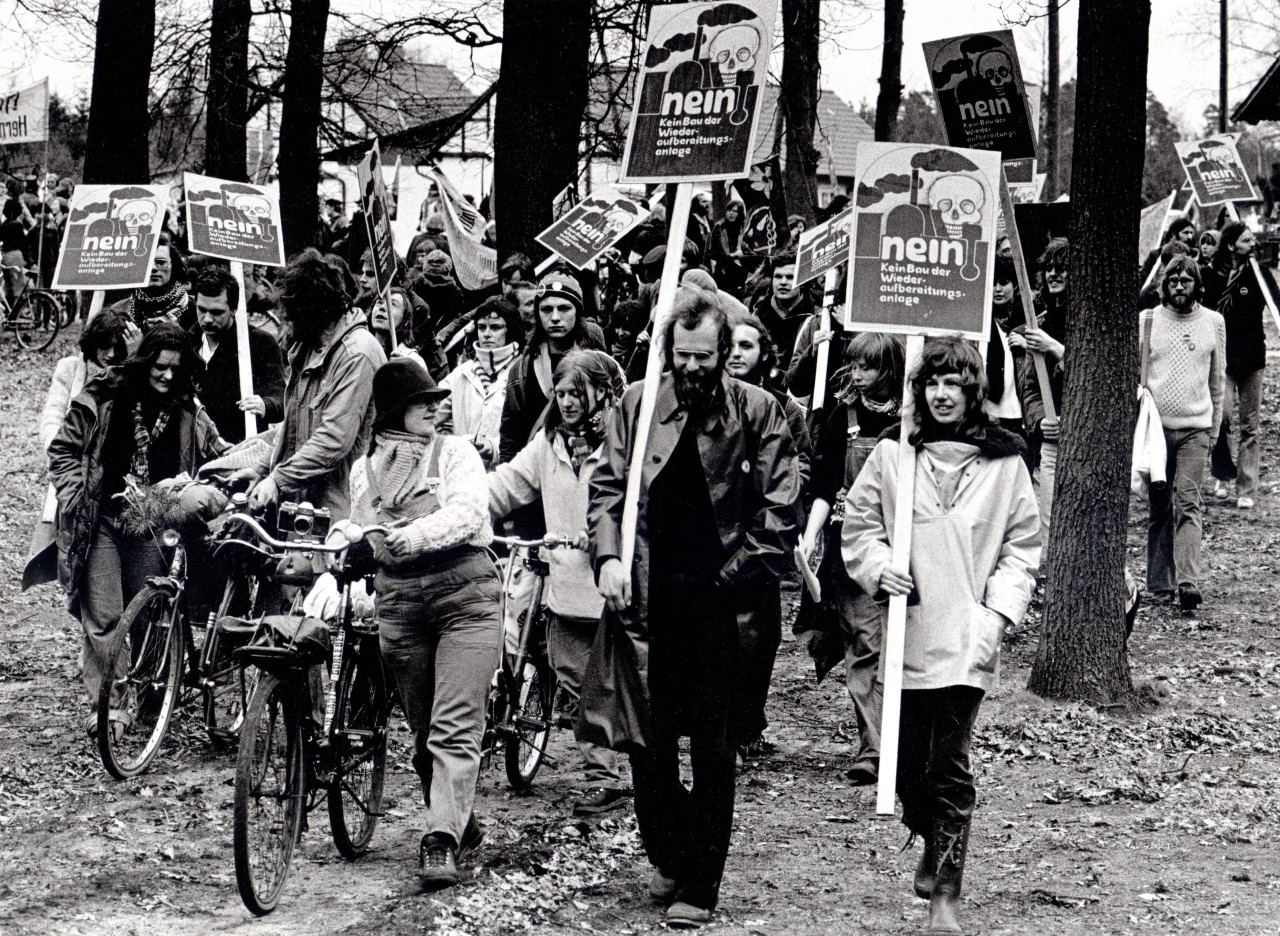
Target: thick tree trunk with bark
116 149
226 107
1082 653
799 101
538 123
890 97
299 158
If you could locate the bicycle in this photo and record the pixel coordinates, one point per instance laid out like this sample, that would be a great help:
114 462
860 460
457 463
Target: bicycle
155 654
521 711
34 315
287 762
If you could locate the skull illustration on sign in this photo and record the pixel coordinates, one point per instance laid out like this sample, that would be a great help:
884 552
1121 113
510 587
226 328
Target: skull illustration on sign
997 68
734 49
959 199
136 213
617 220
255 208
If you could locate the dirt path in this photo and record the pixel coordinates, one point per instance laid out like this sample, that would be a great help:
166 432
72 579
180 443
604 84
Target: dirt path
1087 823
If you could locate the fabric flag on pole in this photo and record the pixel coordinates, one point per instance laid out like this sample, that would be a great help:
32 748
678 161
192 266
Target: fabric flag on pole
24 114
766 207
1151 224
475 265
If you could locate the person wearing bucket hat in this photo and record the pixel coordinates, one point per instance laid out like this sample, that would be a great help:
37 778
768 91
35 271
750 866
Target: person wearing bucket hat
437 608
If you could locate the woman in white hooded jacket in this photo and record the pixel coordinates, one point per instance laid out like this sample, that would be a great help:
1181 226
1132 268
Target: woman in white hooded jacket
974 546
556 466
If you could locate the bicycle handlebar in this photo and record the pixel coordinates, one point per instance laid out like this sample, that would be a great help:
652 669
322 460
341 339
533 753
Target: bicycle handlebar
550 541
274 543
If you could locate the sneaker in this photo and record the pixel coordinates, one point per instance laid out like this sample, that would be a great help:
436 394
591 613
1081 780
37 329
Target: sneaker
662 888
1245 503
1189 597
599 800
1220 491
437 862
681 915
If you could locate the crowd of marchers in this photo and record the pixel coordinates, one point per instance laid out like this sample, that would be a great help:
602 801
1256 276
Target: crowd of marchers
444 413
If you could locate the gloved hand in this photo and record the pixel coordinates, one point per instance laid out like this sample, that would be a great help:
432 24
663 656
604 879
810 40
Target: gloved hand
324 601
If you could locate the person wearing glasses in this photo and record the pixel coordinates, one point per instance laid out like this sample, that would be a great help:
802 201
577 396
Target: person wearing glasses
1184 346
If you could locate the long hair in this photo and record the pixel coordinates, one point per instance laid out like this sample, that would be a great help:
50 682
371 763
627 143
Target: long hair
585 367
1183 263
880 352
162 336
105 330
1224 259
312 291
768 350
504 309
949 354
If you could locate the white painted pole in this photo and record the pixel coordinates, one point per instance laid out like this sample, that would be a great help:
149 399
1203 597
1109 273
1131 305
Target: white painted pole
1024 292
824 350
242 348
895 632
653 371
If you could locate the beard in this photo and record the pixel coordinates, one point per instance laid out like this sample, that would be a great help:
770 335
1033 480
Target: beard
697 391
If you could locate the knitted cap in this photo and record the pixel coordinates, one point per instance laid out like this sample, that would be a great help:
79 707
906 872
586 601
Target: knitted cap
439 262
563 285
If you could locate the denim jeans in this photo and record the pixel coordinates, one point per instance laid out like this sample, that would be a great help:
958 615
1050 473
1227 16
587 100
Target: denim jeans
115 570
1246 393
1174 524
935 780
569 647
440 638
860 628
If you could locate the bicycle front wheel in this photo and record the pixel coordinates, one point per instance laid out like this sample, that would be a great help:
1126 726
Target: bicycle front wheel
140 684
226 685
270 794
527 744
359 740
36 320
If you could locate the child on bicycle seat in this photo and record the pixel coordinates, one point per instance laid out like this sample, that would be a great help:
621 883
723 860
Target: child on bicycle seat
557 465
437 598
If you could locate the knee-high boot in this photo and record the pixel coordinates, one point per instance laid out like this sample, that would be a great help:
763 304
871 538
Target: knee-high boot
950 845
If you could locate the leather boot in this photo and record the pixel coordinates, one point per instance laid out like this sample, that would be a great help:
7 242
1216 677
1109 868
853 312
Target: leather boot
950 843
923 881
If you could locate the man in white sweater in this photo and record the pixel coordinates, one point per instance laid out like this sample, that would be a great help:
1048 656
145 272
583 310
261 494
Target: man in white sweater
1184 369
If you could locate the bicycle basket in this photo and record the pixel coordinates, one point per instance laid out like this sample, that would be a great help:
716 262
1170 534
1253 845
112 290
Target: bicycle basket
285 643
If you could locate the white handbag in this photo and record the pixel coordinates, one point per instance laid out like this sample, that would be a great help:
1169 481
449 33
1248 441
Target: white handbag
1150 455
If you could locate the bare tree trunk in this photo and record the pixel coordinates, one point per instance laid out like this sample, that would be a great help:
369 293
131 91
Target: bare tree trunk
1052 98
890 97
116 149
1082 651
538 122
226 108
299 158
799 99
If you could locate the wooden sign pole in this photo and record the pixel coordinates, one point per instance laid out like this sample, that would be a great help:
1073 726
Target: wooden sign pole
668 285
1164 226
895 632
824 349
242 348
1024 291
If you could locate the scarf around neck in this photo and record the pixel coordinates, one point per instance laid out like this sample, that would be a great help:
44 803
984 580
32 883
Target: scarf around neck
492 361
394 463
140 466
581 441
146 306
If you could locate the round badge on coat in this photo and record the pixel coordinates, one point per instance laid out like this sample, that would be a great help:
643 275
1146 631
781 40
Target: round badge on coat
1244 290
746 467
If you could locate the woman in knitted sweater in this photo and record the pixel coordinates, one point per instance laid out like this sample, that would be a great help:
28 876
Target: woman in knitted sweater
556 466
437 606
1184 362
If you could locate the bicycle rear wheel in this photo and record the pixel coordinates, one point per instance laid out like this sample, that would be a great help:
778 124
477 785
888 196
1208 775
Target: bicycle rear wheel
140 683
270 794
359 740
35 320
527 744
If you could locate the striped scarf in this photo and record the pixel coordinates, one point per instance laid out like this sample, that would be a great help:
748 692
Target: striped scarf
140 467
